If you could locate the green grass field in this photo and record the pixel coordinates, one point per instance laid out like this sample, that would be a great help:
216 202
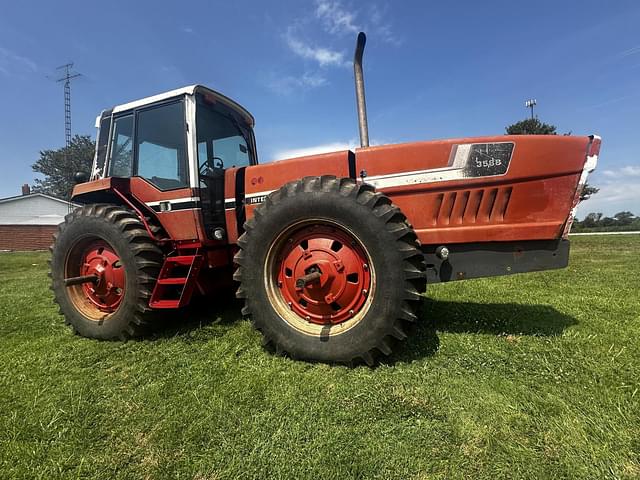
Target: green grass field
530 376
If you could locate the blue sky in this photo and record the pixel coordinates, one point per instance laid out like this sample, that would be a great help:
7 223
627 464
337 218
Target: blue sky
432 70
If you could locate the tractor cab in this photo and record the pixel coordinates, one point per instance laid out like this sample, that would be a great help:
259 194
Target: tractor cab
179 144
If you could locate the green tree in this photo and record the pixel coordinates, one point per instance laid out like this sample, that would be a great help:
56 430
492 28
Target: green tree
624 218
587 191
60 166
592 220
531 126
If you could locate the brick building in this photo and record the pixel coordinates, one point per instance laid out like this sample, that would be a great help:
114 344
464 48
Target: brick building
28 221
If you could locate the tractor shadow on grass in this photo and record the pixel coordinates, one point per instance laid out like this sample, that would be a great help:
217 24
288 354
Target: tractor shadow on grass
496 318
189 322
500 319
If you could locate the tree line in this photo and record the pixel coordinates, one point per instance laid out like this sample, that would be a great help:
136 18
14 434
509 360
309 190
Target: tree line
597 222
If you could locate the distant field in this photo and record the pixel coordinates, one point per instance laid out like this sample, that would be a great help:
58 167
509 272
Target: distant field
530 376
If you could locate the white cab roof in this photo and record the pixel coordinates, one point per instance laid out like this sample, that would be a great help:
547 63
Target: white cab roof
190 90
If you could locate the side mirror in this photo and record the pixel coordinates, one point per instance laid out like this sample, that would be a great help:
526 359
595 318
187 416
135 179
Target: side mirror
81 177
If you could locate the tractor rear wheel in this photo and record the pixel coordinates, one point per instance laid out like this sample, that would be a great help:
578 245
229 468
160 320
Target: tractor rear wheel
115 264
330 271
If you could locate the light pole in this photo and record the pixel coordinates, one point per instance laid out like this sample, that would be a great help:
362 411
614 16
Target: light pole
530 104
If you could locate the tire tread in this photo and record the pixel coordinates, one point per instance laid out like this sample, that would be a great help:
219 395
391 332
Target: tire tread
148 258
407 245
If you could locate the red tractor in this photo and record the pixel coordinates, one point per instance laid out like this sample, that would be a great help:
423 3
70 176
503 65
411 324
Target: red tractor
331 252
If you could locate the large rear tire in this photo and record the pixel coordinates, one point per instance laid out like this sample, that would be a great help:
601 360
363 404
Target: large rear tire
330 271
111 243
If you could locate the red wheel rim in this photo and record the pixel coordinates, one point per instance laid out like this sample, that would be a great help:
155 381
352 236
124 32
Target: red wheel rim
100 260
341 269
96 257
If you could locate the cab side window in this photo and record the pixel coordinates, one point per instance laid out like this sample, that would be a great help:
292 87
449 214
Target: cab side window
121 158
160 146
221 143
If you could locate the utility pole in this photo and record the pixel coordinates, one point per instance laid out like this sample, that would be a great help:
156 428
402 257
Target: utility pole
67 76
530 104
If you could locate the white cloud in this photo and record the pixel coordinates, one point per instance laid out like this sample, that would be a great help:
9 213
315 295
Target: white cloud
381 29
628 171
313 80
315 149
324 56
631 170
609 102
187 30
285 85
11 62
338 20
619 190
629 52
328 147
335 18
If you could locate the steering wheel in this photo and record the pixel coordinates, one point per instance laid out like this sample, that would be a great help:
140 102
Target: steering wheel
210 164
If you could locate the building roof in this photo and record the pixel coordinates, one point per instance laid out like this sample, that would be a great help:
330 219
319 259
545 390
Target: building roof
34 209
31 195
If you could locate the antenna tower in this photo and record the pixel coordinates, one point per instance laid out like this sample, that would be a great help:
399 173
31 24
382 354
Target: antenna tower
66 77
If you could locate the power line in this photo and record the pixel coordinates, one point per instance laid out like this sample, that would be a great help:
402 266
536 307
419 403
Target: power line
66 78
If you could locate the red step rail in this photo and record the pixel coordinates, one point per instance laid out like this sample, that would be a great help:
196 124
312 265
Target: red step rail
175 286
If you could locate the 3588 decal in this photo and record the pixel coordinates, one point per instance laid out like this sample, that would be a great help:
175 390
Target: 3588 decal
492 162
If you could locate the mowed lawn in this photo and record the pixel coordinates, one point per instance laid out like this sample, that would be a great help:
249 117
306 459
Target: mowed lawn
530 376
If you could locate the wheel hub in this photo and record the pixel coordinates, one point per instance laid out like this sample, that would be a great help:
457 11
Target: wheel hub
341 288
107 292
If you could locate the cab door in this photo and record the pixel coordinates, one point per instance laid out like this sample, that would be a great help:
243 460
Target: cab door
211 173
222 150
148 145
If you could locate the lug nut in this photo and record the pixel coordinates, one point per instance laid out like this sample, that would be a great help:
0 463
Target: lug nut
351 313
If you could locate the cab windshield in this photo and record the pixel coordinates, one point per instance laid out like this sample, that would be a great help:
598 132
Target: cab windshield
223 141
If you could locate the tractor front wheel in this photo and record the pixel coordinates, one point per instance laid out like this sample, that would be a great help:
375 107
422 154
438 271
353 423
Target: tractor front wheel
330 271
104 266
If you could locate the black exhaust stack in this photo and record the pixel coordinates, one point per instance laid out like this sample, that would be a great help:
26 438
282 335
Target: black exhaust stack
360 101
